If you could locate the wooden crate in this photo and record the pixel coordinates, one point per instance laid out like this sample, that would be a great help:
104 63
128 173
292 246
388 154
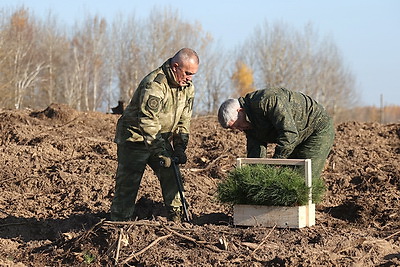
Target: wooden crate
270 216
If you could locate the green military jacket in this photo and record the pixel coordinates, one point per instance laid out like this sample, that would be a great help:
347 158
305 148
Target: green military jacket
280 116
158 113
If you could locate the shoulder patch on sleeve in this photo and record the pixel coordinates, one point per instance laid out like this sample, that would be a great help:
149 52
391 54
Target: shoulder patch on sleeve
159 78
153 103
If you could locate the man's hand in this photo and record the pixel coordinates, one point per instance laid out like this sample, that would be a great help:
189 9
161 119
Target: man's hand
165 161
180 154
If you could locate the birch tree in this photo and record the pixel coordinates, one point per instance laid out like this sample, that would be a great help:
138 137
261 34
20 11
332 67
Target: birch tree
20 65
86 84
130 63
54 50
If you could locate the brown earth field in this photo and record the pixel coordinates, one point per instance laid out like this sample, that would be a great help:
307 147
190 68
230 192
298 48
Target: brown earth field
57 182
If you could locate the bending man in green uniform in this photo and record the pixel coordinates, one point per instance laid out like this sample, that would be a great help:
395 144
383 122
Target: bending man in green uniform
296 123
155 127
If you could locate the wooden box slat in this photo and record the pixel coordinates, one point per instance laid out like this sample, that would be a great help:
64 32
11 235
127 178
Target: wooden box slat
270 216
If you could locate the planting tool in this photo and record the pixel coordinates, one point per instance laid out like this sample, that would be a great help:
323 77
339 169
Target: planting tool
179 183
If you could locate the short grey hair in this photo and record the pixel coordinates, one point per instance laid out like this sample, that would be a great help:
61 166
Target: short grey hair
228 111
185 55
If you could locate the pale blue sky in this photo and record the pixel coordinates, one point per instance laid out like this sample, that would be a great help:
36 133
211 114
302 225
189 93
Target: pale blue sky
367 32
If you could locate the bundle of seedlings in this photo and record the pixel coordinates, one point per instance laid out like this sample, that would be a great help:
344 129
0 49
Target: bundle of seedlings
261 184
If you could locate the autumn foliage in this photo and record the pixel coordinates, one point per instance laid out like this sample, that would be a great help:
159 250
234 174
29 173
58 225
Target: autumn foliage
242 79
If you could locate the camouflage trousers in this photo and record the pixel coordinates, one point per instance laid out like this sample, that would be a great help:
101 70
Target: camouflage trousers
132 161
316 147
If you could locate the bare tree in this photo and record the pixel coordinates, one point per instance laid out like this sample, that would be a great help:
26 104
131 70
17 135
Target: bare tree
53 49
86 84
20 64
42 64
130 64
144 45
299 60
211 86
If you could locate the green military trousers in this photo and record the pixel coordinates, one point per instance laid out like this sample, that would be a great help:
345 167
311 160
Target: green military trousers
132 161
317 147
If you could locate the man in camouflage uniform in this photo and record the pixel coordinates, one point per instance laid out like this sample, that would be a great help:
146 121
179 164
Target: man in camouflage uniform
296 123
153 128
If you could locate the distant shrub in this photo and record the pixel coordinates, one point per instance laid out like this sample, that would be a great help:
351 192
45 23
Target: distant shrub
261 184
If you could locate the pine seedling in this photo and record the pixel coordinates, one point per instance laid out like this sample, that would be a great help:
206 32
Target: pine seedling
266 185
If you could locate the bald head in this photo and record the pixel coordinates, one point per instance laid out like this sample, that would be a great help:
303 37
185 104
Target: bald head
184 65
185 56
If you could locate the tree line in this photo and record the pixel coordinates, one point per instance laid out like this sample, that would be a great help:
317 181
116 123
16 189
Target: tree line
96 63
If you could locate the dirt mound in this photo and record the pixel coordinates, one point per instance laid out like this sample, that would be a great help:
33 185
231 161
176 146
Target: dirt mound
60 112
56 182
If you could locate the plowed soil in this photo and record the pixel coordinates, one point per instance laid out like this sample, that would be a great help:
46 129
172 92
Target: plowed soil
57 170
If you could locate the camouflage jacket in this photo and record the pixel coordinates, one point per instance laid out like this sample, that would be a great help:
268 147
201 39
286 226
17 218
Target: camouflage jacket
159 112
280 116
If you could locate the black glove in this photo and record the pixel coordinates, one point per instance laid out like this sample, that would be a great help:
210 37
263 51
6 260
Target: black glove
180 155
165 161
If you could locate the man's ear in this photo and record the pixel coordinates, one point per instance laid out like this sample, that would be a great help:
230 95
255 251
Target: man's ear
241 111
175 66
